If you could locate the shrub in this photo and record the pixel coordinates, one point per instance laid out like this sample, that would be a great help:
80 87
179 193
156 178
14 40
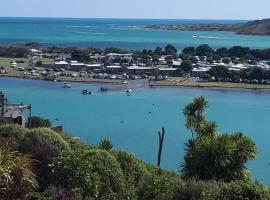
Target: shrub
43 144
13 132
243 190
133 169
95 173
157 187
37 122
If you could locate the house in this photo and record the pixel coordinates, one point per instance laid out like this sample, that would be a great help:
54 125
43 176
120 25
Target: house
176 64
138 70
113 69
167 70
13 113
76 66
61 64
35 52
116 57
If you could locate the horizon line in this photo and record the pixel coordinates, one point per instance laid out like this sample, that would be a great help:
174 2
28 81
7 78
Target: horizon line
115 18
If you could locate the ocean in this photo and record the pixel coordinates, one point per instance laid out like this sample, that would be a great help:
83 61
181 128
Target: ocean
127 34
132 122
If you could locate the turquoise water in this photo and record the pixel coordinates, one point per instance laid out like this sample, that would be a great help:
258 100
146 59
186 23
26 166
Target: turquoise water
99 115
122 33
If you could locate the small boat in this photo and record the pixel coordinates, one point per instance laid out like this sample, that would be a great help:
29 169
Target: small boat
66 85
195 36
104 89
86 92
125 82
128 91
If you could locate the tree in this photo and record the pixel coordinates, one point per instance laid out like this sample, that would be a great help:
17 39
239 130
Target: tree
37 122
80 55
238 51
204 50
186 66
194 114
188 50
222 52
220 72
170 50
158 51
226 155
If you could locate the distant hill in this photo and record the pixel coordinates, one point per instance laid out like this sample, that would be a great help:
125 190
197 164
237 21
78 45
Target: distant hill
257 27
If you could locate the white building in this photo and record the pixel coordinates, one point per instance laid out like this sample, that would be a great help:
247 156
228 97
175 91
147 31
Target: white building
61 64
116 57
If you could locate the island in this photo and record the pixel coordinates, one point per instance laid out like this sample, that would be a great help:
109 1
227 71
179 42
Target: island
256 27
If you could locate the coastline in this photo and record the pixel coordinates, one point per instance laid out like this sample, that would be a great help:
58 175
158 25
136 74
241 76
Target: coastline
133 84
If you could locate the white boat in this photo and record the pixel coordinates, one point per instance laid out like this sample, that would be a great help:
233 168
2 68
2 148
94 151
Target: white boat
195 36
125 82
128 91
66 85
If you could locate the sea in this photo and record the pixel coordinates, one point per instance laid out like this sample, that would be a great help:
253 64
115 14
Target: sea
129 34
132 122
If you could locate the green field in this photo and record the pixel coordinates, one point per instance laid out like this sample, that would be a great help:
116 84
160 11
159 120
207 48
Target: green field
180 82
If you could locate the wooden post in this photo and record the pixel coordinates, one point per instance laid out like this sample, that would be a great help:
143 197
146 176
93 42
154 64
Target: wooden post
30 116
161 138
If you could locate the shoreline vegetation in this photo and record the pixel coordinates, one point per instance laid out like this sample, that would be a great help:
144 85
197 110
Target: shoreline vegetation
257 27
38 163
200 67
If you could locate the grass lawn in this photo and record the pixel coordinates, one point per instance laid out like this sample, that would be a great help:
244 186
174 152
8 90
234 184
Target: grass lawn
6 62
187 83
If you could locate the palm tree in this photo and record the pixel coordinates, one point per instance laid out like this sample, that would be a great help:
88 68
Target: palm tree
194 113
17 180
105 144
213 156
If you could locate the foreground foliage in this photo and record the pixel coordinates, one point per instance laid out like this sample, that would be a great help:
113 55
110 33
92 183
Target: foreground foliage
64 168
17 180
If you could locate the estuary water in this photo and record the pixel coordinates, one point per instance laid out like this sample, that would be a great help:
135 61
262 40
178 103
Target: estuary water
132 122
122 33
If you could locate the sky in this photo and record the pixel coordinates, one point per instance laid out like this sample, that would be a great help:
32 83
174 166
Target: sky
146 9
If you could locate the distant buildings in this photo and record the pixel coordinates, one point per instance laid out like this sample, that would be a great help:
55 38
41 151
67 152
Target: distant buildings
116 57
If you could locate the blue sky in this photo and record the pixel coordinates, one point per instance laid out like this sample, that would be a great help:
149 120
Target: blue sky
171 9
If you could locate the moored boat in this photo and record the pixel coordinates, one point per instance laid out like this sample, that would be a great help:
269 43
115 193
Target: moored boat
66 85
86 92
125 82
104 89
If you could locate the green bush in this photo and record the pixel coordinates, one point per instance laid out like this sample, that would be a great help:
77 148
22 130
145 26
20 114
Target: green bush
37 122
95 173
243 190
133 169
13 132
43 144
158 187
